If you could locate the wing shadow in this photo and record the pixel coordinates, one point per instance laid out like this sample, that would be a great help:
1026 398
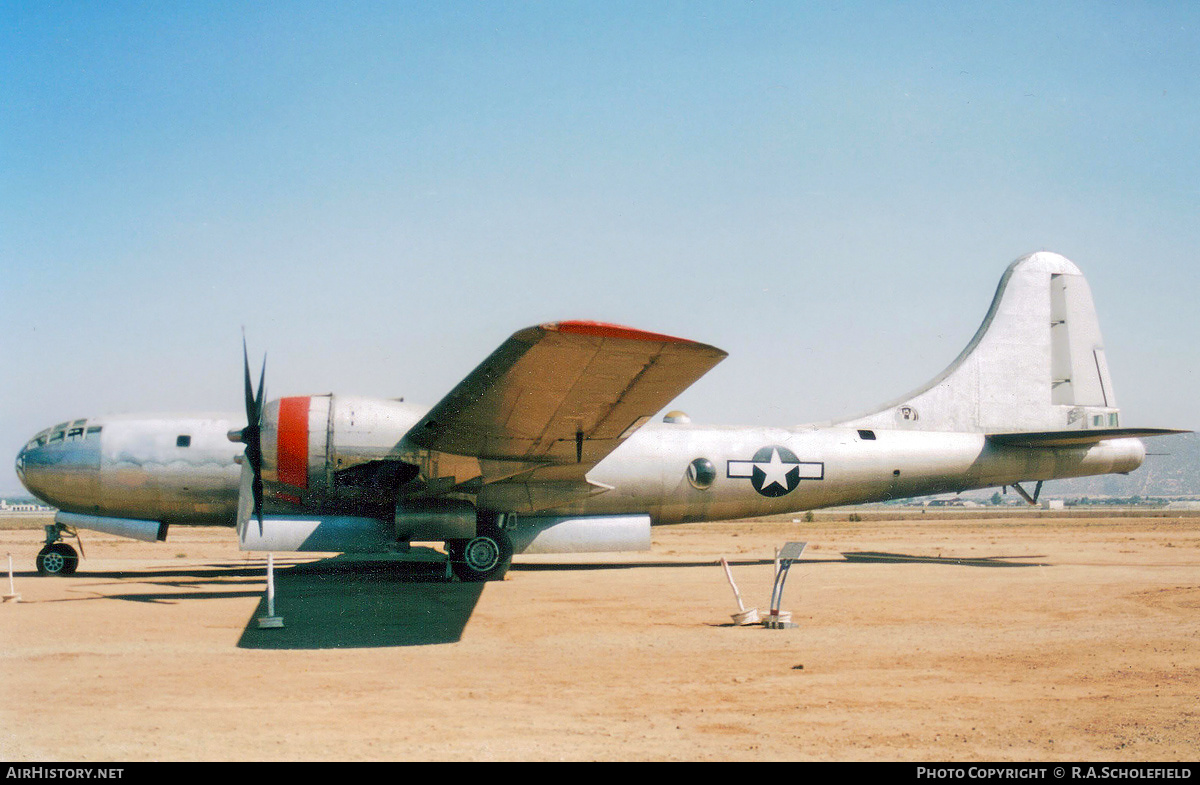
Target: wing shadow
973 561
346 603
641 565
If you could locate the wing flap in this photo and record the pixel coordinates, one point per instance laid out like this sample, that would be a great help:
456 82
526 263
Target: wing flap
565 392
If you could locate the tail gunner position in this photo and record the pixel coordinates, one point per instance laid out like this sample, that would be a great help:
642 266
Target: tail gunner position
547 446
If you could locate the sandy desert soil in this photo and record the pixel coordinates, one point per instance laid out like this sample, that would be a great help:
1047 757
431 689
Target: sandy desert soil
1030 639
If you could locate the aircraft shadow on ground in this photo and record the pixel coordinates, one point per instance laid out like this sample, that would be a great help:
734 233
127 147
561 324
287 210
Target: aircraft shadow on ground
973 561
658 565
846 558
182 574
345 603
193 582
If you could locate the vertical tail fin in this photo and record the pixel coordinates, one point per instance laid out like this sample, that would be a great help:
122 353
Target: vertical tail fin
1036 363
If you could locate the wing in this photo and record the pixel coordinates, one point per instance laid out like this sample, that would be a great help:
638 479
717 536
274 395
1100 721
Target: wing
563 393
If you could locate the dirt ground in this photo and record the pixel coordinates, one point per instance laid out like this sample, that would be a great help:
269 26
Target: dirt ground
1029 639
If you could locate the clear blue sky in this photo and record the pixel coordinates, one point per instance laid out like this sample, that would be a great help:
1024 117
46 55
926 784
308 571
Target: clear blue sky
382 192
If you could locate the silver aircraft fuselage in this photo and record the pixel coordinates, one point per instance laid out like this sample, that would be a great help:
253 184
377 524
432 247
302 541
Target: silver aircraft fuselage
168 468
183 469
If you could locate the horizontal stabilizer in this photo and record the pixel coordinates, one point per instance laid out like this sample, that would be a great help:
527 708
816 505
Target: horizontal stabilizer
1077 437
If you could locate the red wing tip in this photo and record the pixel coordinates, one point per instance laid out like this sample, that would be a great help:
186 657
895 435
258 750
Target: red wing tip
605 330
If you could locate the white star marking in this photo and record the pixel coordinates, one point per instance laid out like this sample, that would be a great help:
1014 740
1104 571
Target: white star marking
776 471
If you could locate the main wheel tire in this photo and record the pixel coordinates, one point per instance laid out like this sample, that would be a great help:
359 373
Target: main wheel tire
484 557
57 559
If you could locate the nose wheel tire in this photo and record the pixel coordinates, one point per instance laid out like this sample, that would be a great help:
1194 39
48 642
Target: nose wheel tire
57 559
484 557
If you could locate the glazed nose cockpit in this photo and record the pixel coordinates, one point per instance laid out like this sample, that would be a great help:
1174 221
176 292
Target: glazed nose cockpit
61 465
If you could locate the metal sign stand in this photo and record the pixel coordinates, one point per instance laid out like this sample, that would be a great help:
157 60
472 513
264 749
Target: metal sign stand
777 619
270 621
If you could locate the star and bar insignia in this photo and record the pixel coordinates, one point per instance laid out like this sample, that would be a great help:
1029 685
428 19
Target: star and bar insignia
775 471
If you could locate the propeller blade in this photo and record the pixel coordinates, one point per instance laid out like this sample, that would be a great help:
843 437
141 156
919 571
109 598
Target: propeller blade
257 488
245 500
250 403
251 436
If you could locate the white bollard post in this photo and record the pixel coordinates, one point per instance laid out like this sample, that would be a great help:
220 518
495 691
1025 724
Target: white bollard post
270 584
270 621
12 589
743 616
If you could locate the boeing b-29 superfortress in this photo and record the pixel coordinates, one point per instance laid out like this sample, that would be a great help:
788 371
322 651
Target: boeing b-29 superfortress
548 445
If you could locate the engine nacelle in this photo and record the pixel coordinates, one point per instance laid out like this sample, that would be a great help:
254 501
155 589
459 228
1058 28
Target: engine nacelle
307 440
344 453
579 534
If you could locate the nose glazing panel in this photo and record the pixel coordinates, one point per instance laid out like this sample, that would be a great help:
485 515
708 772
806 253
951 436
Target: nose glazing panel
61 465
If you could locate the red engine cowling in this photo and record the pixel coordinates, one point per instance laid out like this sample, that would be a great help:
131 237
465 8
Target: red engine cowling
308 439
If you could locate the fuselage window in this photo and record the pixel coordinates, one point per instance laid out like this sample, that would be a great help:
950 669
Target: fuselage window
183 441
867 435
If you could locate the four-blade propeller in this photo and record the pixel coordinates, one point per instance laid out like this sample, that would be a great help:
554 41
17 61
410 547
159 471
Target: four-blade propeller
251 435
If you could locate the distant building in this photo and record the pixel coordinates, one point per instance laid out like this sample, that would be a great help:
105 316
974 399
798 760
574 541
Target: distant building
6 508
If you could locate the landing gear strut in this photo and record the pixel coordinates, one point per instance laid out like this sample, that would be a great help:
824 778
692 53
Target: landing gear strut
484 557
57 558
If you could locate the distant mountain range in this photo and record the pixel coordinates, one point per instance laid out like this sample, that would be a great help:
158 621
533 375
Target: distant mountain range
1171 469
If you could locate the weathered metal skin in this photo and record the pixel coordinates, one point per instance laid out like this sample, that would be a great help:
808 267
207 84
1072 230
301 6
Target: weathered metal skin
136 470
135 467
650 472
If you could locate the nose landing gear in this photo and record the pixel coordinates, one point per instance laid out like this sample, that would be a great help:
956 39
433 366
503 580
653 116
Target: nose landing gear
57 558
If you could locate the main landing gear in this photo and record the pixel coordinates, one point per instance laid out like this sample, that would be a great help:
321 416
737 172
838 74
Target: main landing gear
484 557
57 558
